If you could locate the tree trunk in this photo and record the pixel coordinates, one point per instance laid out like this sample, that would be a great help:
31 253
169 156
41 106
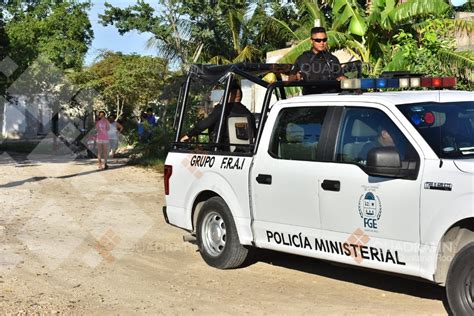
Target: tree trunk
119 106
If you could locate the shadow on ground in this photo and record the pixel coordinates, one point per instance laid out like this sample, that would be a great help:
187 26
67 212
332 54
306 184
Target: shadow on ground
21 160
346 273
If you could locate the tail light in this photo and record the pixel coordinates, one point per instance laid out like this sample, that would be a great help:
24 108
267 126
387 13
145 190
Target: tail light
168 173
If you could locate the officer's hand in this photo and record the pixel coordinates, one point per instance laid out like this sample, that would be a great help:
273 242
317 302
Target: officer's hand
185 138
341 78
296 77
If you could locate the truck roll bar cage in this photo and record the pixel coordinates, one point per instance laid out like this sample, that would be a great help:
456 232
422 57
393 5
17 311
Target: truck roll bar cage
212 74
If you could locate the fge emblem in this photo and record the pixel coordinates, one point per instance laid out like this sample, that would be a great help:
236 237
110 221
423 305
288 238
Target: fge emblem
370 209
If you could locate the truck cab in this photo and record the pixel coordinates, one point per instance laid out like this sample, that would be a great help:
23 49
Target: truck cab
381 180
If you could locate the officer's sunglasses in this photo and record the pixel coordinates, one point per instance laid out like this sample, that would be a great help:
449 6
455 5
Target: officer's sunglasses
319 40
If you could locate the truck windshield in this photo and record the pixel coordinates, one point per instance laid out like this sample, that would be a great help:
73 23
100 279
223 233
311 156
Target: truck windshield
447 127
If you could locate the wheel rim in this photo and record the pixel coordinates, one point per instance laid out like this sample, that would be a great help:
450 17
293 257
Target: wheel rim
469 289
214 234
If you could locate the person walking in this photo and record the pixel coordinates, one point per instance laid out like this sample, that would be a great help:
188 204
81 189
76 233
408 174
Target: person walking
115 129
102 127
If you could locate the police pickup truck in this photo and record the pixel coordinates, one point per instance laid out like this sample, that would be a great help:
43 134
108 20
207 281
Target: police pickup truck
381 180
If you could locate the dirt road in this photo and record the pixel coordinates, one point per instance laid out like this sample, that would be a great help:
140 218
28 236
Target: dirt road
75 240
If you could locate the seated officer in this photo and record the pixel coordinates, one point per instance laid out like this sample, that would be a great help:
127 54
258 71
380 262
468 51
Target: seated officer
384 139
234 108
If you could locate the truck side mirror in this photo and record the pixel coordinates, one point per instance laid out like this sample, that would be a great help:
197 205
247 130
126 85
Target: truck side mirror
384 162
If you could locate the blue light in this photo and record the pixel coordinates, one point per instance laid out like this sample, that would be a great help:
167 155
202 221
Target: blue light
381 83
416 119
367 84
392 83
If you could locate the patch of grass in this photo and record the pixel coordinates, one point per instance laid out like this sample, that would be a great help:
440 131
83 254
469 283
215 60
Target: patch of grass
154 163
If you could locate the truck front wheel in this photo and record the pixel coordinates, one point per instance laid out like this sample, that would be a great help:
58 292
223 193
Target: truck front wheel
217 236
460 282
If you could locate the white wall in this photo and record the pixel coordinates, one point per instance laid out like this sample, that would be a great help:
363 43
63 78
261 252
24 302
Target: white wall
24 118
14 119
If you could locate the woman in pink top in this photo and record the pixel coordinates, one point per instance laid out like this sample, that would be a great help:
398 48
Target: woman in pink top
102 127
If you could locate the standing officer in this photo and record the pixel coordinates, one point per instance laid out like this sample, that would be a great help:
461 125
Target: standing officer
317 63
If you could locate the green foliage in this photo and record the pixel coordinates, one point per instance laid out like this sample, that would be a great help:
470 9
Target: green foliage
157 146
59 31
350 16
206 31
126 83
416 35
416 9
170 28
432 52
4 41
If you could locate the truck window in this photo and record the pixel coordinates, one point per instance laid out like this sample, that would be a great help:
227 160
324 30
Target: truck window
297 132
363 129
447 127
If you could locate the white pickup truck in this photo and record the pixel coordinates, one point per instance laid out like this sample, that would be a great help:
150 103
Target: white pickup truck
381 180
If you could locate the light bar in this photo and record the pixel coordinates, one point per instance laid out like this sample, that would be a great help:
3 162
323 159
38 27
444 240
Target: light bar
367 83
438 82
350 84
415 82
407 82
404 82
449 82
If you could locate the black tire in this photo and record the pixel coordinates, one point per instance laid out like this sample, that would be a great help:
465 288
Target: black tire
217 236
460 282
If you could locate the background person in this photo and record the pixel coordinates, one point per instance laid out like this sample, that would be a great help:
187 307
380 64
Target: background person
150 117
102 127
144 128
114 130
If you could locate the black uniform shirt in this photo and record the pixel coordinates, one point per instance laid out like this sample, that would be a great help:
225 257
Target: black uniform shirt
321 66
211 122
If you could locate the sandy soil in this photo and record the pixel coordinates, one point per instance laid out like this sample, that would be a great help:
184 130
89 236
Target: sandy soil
75 240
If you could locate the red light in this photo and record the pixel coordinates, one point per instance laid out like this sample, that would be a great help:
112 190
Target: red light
449 82
167 176
429 118
437 82
426 82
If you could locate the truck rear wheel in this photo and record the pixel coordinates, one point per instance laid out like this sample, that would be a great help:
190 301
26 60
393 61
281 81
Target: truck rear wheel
460 282
217 236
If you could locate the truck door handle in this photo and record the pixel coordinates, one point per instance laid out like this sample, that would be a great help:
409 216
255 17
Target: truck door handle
331 185
264 179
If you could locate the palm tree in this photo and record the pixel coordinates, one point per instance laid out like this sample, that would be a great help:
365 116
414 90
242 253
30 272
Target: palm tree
176 42
236 19
171 39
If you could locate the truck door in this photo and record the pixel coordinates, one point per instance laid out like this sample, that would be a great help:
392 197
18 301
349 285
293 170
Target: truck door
284 177
380 214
